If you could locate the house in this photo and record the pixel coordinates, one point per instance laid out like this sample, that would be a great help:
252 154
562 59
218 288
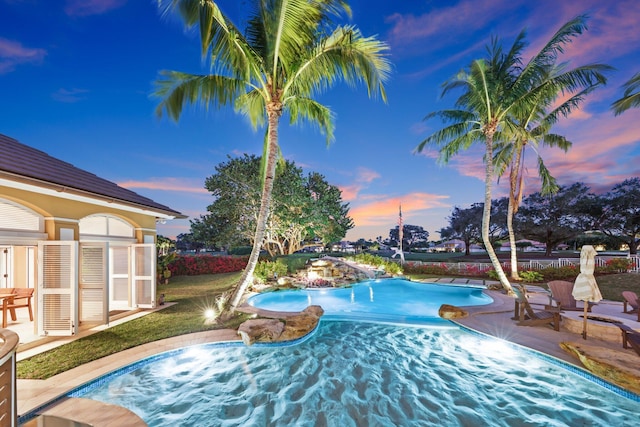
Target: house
86 245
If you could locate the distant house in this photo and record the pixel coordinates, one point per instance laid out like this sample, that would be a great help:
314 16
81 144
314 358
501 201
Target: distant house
86 245
449 246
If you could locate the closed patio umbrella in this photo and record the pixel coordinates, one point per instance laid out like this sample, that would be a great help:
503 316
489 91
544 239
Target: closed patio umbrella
585 287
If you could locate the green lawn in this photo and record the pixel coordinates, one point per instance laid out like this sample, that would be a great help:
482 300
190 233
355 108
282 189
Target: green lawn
193 294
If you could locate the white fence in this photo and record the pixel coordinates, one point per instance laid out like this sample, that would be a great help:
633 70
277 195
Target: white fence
538 264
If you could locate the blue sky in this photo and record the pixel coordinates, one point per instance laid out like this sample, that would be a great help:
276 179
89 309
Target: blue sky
76 78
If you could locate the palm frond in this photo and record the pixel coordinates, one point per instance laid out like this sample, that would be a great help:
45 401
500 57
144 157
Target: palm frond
345 55
631 96
177 89
311 111
252 105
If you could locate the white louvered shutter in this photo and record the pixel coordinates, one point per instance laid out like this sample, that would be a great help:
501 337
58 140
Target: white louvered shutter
93 283
143 274
57 288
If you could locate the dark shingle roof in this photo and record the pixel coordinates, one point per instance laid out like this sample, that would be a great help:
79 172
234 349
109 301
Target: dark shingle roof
24 161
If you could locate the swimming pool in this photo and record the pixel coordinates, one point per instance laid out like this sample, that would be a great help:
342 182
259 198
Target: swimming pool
387 300
363 374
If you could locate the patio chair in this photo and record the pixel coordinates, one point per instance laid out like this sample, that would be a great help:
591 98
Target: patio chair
561 295
630 337
527 316
21 298
630 300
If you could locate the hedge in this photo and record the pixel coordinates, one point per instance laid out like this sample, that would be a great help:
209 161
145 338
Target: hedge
193 265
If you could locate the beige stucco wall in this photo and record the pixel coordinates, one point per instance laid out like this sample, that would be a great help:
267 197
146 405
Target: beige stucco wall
64 213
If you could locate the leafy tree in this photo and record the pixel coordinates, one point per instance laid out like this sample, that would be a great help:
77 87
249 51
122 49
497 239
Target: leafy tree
412 235
555 218
290 52
303 207
187 242
631 97
620 219
495 89
465 225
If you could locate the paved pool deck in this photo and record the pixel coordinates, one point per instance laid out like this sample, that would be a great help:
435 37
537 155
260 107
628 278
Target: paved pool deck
493 319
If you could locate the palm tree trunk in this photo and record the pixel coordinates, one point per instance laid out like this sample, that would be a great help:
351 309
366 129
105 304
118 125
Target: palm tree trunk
265 202
511 210
486 217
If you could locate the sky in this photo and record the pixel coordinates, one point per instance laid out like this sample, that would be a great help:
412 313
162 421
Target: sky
77 78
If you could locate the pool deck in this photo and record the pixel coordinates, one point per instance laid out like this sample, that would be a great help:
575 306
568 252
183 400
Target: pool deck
493 319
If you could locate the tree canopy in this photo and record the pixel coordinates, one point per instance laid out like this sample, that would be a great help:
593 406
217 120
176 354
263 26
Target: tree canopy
304 207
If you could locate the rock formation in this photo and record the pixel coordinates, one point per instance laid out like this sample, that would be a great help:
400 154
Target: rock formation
287 328
620 367
447 311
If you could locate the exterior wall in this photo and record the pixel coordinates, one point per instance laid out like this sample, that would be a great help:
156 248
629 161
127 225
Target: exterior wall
62 213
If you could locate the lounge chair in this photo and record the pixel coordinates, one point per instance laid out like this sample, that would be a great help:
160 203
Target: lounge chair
527 316
561 295
630 337
630 300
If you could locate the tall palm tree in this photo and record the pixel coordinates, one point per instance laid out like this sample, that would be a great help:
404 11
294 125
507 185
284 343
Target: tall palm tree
631 96
496 89
532 129
290 52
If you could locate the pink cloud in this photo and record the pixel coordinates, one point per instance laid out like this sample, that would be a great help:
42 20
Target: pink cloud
13 53
385 211
364 176
166 184
91 7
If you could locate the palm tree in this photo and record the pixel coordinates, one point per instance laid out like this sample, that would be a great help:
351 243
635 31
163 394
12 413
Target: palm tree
532 129
631 96
495 90
290 52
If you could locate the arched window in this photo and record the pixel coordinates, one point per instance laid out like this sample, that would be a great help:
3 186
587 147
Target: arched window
14 216
106 226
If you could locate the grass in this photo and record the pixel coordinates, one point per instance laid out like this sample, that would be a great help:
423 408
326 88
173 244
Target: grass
193 294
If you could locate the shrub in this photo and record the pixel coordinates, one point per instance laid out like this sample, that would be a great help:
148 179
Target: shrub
531 276
266 270
193 265
377 261
616 265
434 269
240 250
567 272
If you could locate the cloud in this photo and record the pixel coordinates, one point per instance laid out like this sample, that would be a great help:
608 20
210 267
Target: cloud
384 210
91 7
364 176
166 184
440 26
13 53
69 95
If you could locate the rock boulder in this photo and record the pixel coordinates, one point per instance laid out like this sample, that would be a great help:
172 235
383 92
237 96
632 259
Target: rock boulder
264 330
451 312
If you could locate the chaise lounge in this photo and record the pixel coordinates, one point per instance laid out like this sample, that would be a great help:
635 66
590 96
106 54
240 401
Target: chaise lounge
527 316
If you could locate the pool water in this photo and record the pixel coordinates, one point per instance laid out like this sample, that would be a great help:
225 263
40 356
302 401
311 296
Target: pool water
388 300
364 374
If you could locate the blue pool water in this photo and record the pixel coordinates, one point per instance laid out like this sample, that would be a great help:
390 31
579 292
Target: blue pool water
388 300
355 373
363 374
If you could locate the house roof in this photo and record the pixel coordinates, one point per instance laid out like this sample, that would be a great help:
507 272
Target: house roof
19 162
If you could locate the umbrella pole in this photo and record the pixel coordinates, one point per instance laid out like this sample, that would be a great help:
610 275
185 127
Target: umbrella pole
584 327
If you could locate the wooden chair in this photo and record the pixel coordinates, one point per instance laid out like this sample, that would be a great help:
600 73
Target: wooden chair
561 294
21 299
630 337
630 300
527 316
